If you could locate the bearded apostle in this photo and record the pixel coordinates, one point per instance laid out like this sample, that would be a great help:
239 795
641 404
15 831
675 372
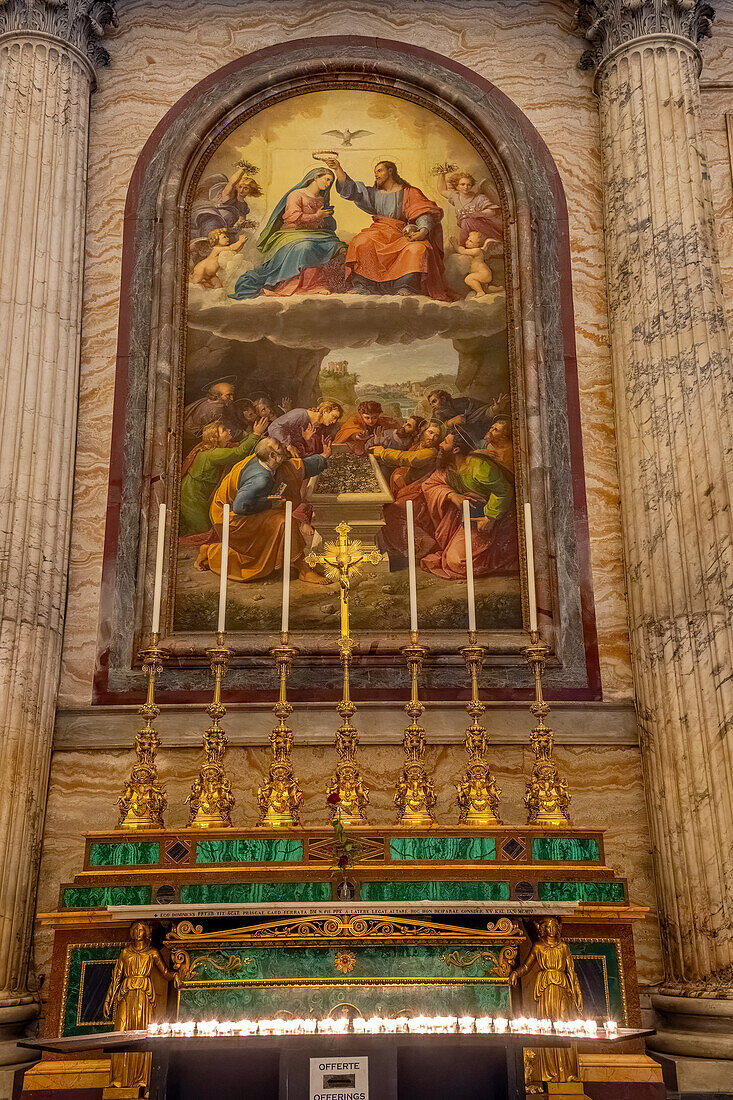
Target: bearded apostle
256 490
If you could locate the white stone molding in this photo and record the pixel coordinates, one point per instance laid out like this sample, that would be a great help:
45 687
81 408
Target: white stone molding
608 25
79 23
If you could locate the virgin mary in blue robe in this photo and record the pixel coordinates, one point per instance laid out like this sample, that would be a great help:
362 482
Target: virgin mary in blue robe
290 250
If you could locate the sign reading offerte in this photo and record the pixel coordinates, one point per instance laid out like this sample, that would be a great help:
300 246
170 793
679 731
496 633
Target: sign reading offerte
345 1078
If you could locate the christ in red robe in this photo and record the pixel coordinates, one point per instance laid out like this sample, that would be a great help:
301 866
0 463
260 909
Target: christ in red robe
401 252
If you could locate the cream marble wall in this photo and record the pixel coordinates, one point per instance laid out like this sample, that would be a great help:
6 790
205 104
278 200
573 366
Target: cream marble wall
161 50
605 784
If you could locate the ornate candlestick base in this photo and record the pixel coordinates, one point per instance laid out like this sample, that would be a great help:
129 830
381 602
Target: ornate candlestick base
547 799
280 796
478 794
415 794
211 800
143 801
346 794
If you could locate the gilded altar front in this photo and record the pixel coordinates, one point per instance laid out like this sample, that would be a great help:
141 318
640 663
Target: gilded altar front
366 965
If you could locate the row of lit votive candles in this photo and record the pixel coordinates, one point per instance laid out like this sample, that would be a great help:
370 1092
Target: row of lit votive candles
379 1025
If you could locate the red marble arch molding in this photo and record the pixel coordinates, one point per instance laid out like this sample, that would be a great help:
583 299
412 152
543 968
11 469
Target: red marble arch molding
394 65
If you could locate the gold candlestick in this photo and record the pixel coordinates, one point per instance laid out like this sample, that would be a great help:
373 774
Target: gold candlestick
280 796
547 799
346 794
478 794
143 801
415 794
211 800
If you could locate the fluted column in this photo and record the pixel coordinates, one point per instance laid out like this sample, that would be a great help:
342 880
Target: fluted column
674 413
46 74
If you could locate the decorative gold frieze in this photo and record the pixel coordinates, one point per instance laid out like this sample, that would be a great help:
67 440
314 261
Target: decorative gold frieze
356 927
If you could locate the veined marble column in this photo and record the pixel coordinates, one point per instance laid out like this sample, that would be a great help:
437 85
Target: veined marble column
674 415
47 50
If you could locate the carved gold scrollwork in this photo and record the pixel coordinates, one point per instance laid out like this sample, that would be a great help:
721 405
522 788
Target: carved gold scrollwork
502 962
188 969
360 926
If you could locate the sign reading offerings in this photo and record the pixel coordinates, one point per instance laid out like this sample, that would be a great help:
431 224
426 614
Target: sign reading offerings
345 1078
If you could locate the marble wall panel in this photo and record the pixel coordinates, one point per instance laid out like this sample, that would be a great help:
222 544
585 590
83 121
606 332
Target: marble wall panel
605 783
158 52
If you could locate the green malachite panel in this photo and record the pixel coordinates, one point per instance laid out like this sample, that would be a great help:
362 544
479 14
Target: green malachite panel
376 962
443 847
435 891
598 967
126 853
581 891
249 851
214 893
566 849
96 897
85 964
236 1002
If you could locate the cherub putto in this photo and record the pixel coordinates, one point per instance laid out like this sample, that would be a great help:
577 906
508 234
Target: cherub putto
479 278
207 250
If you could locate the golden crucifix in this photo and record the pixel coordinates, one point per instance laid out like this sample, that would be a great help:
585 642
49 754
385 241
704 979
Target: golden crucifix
346 794
342 560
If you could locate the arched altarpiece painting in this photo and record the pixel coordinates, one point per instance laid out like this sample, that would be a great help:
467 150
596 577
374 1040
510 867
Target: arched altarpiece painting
511 351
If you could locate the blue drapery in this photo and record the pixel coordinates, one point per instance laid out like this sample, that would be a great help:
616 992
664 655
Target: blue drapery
291 250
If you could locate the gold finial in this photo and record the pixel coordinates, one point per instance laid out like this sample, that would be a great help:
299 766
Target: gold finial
415 794
280 796
478 794
347 795
143 801
211 800
547 799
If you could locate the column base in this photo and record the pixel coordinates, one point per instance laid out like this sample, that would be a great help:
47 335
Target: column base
695 1037
14 1020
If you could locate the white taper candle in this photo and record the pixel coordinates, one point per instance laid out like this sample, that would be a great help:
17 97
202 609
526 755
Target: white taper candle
158 589
221 625
412 566
285 621
531 590
469 567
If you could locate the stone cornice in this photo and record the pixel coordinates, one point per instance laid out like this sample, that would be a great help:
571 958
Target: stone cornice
608 25
79 23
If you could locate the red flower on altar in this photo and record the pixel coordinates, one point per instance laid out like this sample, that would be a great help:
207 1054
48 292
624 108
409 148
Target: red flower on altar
334 799
343 862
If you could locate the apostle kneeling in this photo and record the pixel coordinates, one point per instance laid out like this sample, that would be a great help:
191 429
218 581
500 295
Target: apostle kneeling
256 490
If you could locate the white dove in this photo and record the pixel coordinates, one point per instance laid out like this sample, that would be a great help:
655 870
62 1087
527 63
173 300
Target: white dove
347 135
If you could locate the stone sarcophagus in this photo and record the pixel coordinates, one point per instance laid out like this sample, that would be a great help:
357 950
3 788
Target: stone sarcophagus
352 487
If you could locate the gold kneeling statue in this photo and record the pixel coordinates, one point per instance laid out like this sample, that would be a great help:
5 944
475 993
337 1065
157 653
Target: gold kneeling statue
557 995
130 1002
